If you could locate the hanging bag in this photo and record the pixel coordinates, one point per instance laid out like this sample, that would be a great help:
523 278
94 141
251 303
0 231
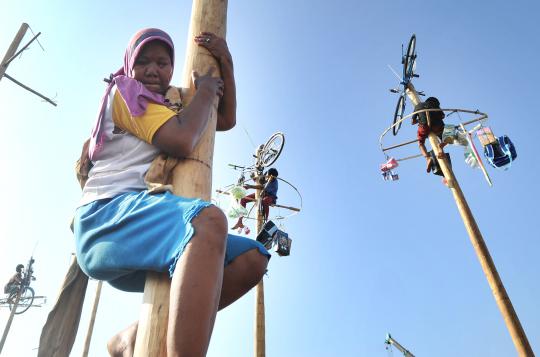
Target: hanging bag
453 135
501 153
235 208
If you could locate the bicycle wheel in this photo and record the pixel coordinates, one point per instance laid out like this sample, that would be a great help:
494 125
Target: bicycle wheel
271 150
410 59
25 301
398 114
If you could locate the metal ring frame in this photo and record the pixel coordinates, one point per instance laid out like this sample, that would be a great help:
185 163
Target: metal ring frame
481 117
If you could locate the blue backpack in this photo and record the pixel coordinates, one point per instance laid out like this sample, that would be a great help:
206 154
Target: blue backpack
501 153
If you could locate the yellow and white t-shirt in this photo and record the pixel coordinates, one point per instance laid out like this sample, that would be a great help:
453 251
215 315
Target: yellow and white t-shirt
127 151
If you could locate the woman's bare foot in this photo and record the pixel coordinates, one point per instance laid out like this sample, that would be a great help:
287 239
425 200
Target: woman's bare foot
123 343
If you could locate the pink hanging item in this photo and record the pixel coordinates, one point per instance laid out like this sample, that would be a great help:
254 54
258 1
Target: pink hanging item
389 165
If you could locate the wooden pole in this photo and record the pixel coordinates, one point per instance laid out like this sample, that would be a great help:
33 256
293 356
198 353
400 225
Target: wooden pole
10 319
260 327
191 177
92 320
391 341
497 288
12 48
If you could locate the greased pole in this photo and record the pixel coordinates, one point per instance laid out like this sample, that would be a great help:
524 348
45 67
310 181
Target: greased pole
88 338
497 288
10 319
191 177
13 48
260 327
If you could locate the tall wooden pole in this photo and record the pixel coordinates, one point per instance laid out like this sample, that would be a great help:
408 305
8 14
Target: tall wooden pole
10 319
13 48
260 327
92 320
497 288
191 177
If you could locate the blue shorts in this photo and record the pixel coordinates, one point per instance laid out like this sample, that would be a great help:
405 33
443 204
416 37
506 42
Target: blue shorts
119 239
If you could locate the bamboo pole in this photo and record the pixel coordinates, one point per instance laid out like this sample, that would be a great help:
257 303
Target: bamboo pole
391 341
92 320
191 177
12 48
488 266
29 89
10 319
260 327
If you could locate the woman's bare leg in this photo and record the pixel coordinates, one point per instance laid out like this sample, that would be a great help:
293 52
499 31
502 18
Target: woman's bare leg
241 275
238 278
196 286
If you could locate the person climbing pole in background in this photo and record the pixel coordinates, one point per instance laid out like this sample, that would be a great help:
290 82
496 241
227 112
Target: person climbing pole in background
434 125
118 221
14 283
269 185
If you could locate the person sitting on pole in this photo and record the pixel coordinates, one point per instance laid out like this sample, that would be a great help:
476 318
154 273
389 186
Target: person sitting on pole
269 185
435 124
15 282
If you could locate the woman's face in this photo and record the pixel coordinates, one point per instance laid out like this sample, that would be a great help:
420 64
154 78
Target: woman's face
153 67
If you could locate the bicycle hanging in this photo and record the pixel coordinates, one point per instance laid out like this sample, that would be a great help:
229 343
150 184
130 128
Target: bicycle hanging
408 61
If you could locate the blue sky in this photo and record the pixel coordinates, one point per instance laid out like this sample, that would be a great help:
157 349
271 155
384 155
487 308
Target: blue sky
368 256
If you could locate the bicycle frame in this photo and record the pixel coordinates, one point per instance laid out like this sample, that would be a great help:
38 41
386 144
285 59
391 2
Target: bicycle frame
408 60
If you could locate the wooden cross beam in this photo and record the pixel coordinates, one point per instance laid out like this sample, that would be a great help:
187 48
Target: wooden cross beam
254 199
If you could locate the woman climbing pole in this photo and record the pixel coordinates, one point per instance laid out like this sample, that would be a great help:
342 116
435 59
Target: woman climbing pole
122 231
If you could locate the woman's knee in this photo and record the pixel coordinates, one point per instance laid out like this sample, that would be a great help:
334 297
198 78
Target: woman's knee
254 266
211 223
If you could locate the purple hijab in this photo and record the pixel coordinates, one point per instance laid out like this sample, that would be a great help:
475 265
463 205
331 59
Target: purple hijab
134 92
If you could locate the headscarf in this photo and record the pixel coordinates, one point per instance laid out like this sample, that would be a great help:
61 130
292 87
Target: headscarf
133 92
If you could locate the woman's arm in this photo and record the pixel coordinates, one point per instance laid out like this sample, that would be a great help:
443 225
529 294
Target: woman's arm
180 134
217 46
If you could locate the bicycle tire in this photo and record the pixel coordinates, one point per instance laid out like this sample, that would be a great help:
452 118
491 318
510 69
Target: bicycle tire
269 154
398 114
410 59
25 301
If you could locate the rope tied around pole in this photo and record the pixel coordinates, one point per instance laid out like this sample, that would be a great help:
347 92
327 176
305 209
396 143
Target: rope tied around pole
200 161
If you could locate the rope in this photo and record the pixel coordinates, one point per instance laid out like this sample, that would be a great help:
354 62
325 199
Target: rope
36 39
249 137
200 161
